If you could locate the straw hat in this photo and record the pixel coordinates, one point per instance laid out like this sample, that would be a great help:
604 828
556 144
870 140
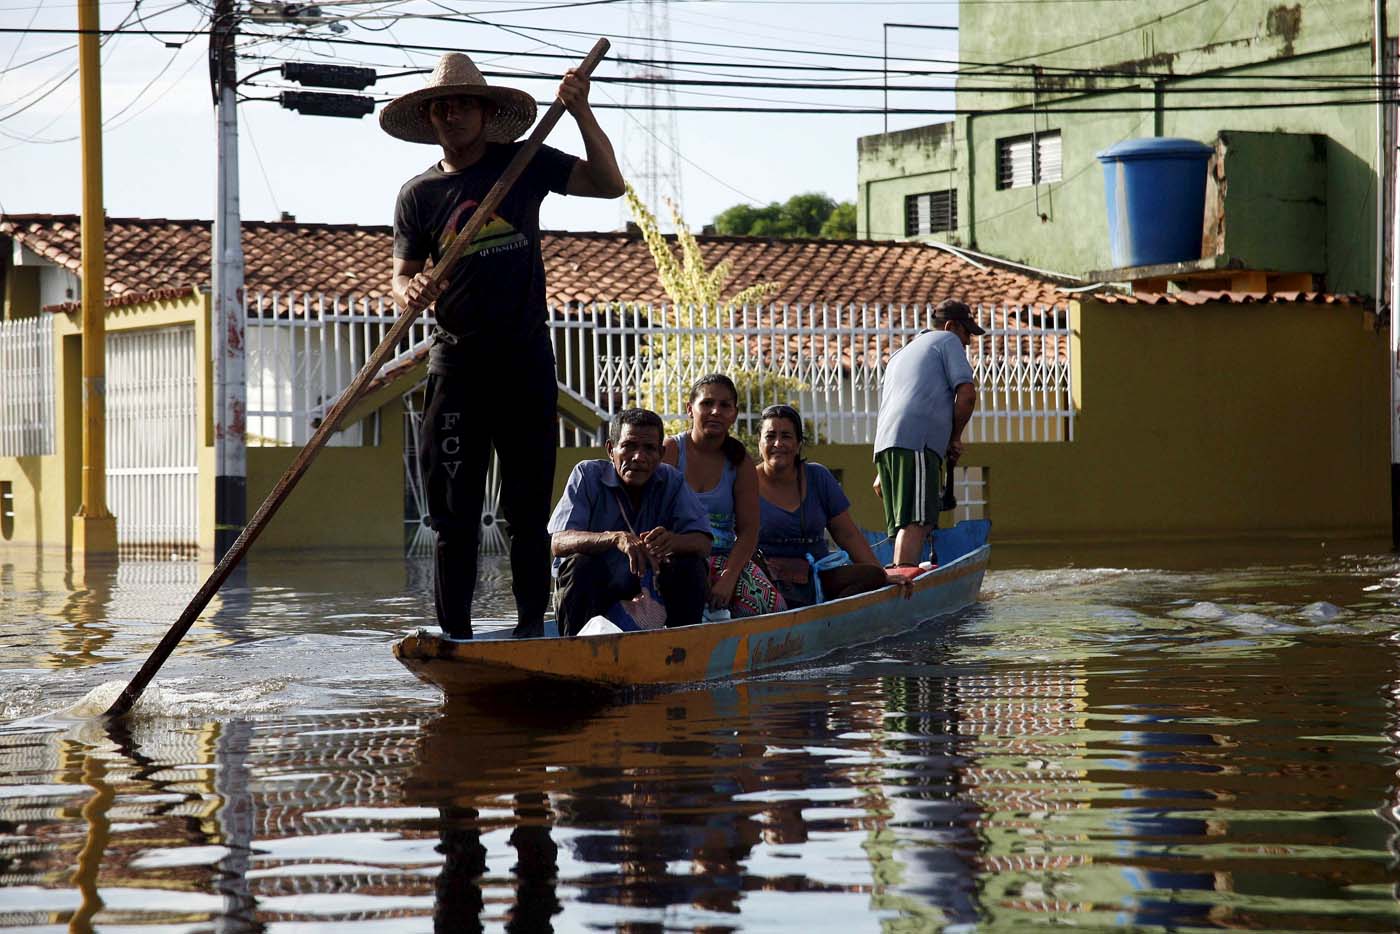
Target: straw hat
407 117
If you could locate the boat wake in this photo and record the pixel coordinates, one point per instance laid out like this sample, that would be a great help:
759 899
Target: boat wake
29 706
1008 583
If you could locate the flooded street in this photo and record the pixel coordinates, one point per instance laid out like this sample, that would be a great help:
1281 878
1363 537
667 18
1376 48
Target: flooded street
1180 740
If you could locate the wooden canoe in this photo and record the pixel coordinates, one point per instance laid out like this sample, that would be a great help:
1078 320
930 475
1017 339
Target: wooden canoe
709 651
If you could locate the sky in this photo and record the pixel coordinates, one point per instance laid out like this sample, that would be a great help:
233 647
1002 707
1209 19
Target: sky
159 120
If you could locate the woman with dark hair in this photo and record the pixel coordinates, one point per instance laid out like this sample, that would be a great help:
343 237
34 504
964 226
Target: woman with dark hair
799 502
721 473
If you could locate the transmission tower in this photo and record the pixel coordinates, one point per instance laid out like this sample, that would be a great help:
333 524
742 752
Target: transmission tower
652 141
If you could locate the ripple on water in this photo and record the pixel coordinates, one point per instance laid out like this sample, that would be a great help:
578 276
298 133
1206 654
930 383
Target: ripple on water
1103 748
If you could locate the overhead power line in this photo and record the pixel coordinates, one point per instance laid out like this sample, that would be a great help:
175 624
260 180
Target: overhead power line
973 111
964 68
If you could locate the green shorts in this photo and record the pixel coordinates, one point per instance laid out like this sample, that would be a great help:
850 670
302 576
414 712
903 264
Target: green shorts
911 487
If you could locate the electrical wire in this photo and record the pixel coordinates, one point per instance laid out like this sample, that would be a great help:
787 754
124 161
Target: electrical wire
108 122
1360 80
15 51
248 126
972 68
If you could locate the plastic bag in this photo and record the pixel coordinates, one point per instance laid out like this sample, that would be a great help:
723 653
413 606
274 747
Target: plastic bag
644 611
832 559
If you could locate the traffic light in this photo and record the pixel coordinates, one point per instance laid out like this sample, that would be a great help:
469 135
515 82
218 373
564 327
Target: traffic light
320 104
316 75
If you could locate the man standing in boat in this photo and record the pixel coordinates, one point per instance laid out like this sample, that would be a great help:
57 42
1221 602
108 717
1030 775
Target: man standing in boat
925 403
623 518
491 342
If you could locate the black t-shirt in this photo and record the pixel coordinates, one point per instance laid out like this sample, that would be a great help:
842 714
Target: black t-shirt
496 293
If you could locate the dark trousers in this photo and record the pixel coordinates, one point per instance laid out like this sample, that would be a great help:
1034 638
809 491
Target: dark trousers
589 584
508 404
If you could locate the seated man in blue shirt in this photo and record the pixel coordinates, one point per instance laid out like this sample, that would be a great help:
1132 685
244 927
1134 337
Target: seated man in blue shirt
622 517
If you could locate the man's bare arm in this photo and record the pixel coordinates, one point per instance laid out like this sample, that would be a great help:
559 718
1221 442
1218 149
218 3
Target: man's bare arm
571 542
964 402
596 175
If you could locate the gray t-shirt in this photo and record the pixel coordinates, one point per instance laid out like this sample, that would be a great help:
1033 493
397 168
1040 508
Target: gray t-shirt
916 402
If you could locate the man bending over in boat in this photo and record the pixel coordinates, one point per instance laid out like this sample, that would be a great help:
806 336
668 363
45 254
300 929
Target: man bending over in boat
926 401
624 518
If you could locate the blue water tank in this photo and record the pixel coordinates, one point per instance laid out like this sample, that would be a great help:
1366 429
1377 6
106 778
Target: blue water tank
1156 193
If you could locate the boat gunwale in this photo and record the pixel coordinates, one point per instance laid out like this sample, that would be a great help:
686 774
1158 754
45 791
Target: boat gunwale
501 654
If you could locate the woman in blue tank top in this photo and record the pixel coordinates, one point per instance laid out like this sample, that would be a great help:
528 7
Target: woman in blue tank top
722 475
800 502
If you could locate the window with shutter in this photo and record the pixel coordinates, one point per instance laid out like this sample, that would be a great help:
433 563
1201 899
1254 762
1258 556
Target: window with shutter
930 212
1028 160
1048 163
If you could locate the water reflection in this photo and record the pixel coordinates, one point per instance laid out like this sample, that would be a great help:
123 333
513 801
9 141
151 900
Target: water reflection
1096 748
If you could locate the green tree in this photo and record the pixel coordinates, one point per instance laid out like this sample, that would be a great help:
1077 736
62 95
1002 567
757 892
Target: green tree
841 224
699 313
805 215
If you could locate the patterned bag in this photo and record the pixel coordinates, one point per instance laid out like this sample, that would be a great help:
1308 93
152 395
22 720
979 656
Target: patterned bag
754 595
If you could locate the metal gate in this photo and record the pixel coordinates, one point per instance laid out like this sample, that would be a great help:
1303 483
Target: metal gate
152 455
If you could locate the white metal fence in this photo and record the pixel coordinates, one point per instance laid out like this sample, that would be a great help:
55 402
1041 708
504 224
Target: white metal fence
152 440
26 387
828 360
302 350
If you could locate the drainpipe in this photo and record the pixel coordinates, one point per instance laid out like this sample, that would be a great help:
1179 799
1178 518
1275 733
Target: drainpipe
1394 296
1382 287
1382 149
971 184
868 234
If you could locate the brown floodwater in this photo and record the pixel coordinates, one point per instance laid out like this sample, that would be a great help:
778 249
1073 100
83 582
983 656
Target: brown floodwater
1186 738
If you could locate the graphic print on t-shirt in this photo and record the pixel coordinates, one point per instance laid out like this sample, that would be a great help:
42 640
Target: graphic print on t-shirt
496 235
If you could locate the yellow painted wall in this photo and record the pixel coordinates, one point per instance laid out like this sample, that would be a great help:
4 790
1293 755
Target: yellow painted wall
1208 421
350 498
46 489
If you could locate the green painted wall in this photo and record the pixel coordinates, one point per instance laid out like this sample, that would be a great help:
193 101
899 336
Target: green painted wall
1061 225
894 165
1264 183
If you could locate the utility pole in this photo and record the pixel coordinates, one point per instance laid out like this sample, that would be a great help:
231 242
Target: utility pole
227 322
94 529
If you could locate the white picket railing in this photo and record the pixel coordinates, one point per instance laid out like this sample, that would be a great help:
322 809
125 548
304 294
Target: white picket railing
302 350
828 360
26 387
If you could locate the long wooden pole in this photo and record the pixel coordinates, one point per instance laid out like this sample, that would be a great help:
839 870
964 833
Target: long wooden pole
347 398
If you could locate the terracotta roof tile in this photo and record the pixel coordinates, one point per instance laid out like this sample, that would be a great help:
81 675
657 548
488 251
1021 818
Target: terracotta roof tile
151 255
1230 298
